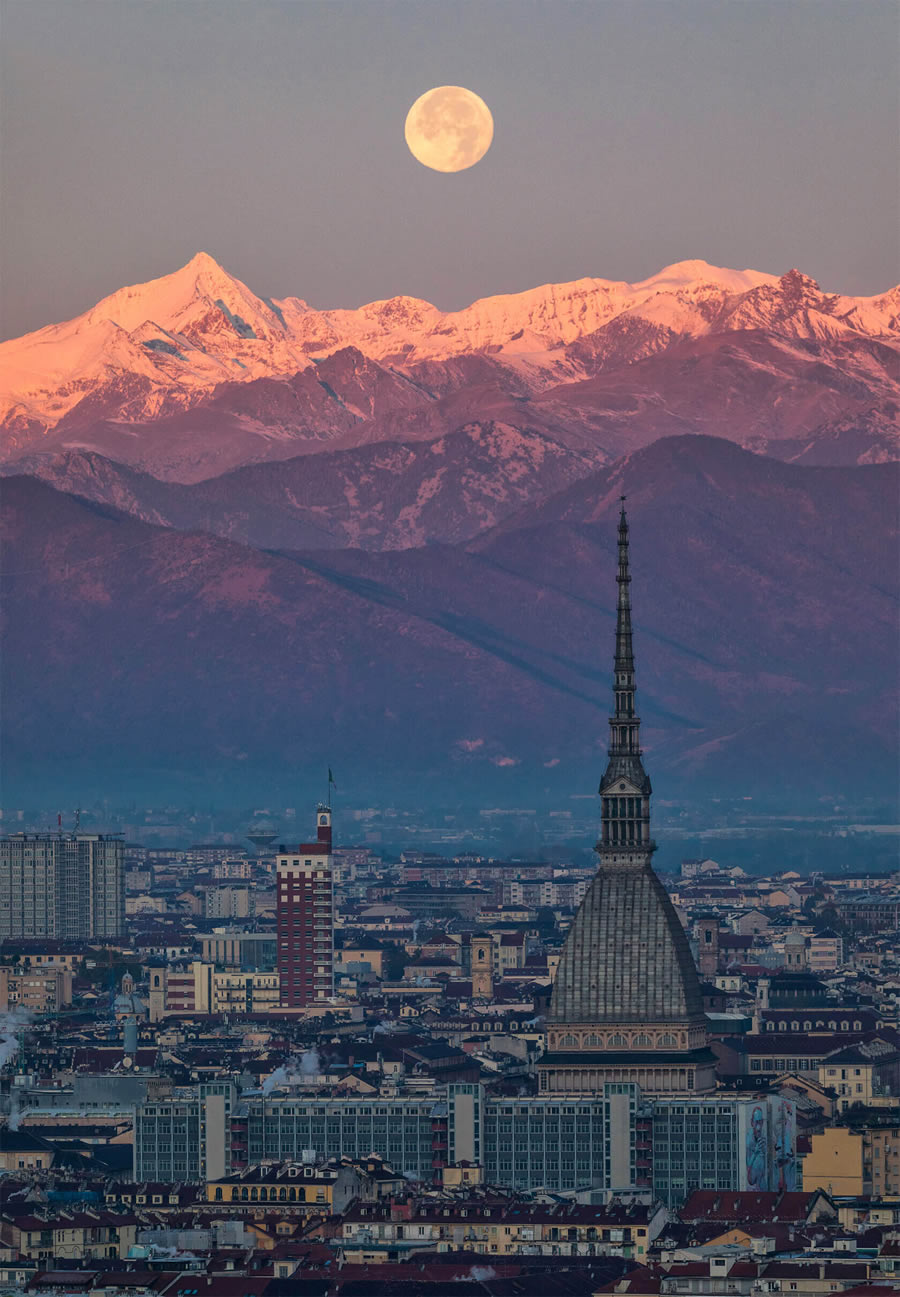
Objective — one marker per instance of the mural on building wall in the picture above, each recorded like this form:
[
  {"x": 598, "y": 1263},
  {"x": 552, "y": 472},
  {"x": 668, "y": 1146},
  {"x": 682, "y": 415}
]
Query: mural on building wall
[
  {"x": 784, "y": 1152},
  {"x": 755, "y": 1143}
]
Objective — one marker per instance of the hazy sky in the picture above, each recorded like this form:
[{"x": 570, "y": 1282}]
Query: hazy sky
[{"x": 628, "y": 135}]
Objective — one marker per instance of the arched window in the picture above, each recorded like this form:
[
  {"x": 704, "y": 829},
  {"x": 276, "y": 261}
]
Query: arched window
[
  {"x": 235, "y": 1194},
  {"x": 293, "y": 1195},
  {"x": 282, "y": 1194},
  {"x": 218, "y": 1193},
  {"x": 833, "y": 1025},
  {"x": 666, "y": 1041},
  {"x": 782, "y": 1026},
  {"x": 616, "y": 1040},
  {"x": 254, "y": 1194},
  {"x": 592, "y": 1042},
  {"x": 845, "y": 1025},
  {"x": 857, "y": 1025},
  {"x": 263, "y": 1195},
  {"x": 795, "y": 1026},
  {"x": 807, "y": 1026},
  {"x": 244, "y": 1194},
  {"x": 568, "y": 1040},
  {"x": 641, "y": 1041}
]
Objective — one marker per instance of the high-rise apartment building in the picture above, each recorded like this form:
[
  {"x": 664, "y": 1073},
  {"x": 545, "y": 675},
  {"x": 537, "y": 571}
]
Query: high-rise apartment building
[
  {"x": 305, "y": 912},
  {"x": 70, "y": 886}
]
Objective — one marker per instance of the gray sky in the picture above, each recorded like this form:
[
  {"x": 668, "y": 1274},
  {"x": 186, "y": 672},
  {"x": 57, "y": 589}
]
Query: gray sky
[{"x": 628, "y": 134}]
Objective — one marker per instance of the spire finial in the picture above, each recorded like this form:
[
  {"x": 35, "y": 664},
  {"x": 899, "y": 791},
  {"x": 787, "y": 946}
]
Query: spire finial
[{"x": 624, "y": 746}]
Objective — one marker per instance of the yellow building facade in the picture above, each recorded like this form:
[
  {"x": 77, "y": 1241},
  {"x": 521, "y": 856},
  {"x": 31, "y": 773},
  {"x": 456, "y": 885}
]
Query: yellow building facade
[{"x": 855, "y": 1162}]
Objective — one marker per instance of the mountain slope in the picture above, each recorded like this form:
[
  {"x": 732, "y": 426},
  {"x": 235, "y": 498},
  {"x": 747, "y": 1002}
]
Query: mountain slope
[
  {"x": 381, "y": 496},
  {"x": 764, "y": 595}
]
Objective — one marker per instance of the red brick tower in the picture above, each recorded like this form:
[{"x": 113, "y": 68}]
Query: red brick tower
[{"x": 305, "y": 910}]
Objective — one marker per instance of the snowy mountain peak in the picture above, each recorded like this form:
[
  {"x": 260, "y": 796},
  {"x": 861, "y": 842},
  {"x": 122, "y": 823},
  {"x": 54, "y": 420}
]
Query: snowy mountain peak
[
  {"x": 179, "y": 298},
  {"x": 201, "y": 261},
  {"x": 683, "y": 274},
  {"x": 154, "y": 350},
  {"x": 797, "y": 286}
]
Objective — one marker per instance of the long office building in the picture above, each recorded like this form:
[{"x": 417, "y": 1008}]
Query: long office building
[
  {"x": 616, "y": 1142},
  {"x": 70, "y": 886},
  {"x": 528, "y": 1143},
  {"x": 184, "y": 1136}
]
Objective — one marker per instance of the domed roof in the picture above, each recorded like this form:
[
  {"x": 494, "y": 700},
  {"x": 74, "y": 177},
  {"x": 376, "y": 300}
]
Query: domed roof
[{"x": 626, "y": 957}]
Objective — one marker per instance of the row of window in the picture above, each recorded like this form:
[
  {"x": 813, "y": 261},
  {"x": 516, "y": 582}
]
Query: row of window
[{"x": 832, "y": 1024}]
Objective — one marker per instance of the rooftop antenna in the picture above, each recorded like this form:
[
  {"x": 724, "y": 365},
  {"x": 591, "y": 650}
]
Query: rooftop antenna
[{"x": 77, "y": 820}]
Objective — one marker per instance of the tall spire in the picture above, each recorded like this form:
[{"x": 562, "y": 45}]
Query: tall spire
[
  {"x": 625, "y": 787},
  {"x": 626, "y": 1004},
  {"x": 624, "y": 661}
]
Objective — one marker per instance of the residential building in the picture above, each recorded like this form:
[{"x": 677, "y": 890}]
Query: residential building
[
  {"x": 22, "y": 1150},
  {"x": 38, "y": 990},
  {"x": 55, "y": 1235},
  {"x": 245, "y": 993},
  {"x": 201, "y": 988},
  {"x": 862, "y": 1073},
  {"x": 246, "y": 950},
  {"x": 499, "y": 1229},
  {"x": 226, "y": 902},
  {"x": 65, "y": 885},
  {"x": 360, "y": 959},
  {"x": 323, "y": 1189},
  {"x": 826, "y": 951},
  {"x": 859, "y": 1158},
  {"x": 233, "y": 868}
]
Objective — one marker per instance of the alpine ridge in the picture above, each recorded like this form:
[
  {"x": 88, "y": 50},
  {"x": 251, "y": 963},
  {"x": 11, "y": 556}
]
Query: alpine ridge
[
  {"x": 766, "y": 625},
  {"x": 194, "y": 374}
]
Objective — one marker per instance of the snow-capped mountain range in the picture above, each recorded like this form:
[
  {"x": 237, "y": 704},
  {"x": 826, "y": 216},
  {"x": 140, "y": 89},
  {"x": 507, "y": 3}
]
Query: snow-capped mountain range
[{"x": 224, "y": 377}]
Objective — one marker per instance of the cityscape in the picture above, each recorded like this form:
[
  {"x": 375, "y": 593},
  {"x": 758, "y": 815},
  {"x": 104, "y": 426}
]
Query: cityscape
[
  {"x": 273, "y": 1058},
  {"x": 449, "y": 820}
]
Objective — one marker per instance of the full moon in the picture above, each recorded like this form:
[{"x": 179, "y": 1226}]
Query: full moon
[{"x": 449, "y": 128}]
